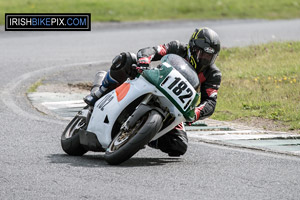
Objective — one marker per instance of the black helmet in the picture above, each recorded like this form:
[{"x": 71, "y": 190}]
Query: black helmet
[{"x": 203, "y": 48}]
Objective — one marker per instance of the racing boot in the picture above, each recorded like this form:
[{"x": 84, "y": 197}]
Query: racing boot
[
  {"x": 121, "y": 69},
  {"x": 99, "y": 89}
]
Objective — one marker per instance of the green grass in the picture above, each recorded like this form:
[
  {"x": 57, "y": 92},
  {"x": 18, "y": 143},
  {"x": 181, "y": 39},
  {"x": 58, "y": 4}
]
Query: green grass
[
  {"x": 136, "y": 10},
  {"x": 34, "y": 86},
  {"x": 261, "y": 81}
]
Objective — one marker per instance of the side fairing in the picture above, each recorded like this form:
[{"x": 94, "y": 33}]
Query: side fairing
[{"x": 108, "y": 108}]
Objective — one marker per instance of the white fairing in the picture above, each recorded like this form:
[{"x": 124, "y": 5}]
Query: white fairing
[{"x": 108, "y": 108}]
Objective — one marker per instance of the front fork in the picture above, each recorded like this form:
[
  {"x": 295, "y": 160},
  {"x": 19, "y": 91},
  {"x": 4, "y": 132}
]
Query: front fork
[
  {"x": 131, "y": 120},
  {"x": 89, "y": 114},
  {"x": 86, "y": 113}
]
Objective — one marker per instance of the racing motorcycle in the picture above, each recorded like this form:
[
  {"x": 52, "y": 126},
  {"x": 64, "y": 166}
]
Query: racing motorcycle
[{"x": 137, "y": 112}]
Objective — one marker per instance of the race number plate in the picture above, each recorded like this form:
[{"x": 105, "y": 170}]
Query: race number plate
[{"x": 179, "y": 89}]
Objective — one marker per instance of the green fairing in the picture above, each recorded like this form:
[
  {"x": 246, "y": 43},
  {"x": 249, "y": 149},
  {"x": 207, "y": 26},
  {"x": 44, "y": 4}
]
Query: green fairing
[{"x": 156, "y": 76}]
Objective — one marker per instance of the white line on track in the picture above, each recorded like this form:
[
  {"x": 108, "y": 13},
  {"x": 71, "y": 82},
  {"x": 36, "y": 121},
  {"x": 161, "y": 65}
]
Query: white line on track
[{"x": 8, "y": 97}]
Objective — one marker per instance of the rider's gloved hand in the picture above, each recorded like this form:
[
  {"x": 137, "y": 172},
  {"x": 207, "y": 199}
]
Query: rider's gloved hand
[
  {"x": 144, "y": 62},
  {"x": 197, "y": 116},
  {"x": 197, "y": 113},
  {"x": 90, "y": 99}
]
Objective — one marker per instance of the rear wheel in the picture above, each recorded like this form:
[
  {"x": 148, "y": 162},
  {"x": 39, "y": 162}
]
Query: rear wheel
[
  {"x": 126, "y": 144},
  {"x": 70, "y": 138}
]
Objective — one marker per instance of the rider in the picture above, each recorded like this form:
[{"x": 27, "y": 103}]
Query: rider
[{"x": 201, "y": 51}]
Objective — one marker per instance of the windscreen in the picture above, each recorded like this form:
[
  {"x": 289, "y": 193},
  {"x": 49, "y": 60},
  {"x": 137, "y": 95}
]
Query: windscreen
[{"x": 184, "y": 67}]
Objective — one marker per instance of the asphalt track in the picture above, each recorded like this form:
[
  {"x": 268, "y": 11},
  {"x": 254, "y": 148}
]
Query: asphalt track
[{"x": 33, "y": 166}]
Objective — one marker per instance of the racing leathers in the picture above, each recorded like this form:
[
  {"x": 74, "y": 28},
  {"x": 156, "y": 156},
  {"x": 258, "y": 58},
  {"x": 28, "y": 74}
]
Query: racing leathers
[
  {"x": 210, "y": 77},
  {"x": 124, "y": 66}
]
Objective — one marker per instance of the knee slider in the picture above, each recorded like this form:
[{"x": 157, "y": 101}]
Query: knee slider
[
  {"x": 123, "y": 60},
  {"x": 131, "y": 58},
  {"x": 122, "y": 66},
  {"x": 117, "y": 62}
]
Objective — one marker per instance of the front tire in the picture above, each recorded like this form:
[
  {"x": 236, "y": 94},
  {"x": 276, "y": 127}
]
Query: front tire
[
  {"x": 70, "y": 142},
  {"x": 126, "y": 144}
]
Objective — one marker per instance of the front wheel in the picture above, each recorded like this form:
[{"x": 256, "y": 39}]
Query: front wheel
[
  {"x": 126, "y": 144},
  {"x": 70, "y": 142}
]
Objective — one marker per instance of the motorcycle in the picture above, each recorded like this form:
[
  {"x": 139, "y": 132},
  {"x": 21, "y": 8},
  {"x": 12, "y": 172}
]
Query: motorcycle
[{"x": 137, "y": 112}]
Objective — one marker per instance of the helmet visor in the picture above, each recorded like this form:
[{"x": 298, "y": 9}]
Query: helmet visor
[{"x": 202, "y": 57}]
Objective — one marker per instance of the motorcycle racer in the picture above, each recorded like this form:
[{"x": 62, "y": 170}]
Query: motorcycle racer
[{"x": 201, "y": 51}]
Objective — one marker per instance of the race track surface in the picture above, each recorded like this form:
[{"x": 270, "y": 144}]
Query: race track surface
[{"x": 33, "y": 165}]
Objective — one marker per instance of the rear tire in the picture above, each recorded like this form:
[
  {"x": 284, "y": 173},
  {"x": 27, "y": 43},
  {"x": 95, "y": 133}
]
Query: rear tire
[
  {"x": 70, "y": 142},
  {"x": 125, "y": 145}
]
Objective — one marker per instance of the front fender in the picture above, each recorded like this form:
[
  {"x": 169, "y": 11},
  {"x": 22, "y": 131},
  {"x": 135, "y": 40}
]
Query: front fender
[{"x": 141, "y": 110}]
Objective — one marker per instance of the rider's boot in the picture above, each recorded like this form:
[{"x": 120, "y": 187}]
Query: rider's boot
[
  {"x": 121, "y": 69},
  {"x": 100, "y": 86}
]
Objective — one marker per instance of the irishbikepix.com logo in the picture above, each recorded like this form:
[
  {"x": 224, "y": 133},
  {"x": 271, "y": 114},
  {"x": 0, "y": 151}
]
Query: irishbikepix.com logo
[{"x": 48, "y": 22}]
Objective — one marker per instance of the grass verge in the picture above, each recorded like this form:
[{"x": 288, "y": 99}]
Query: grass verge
[
  {"x": 34, "y": 86},
  {"x": 137, "y": 10},
  {"x": 261, "y": 81}
]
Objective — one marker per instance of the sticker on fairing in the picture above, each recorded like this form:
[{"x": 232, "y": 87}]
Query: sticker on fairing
[
  {"x": 166, "y": 64},
  {"x": 179, "y": 89}
]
